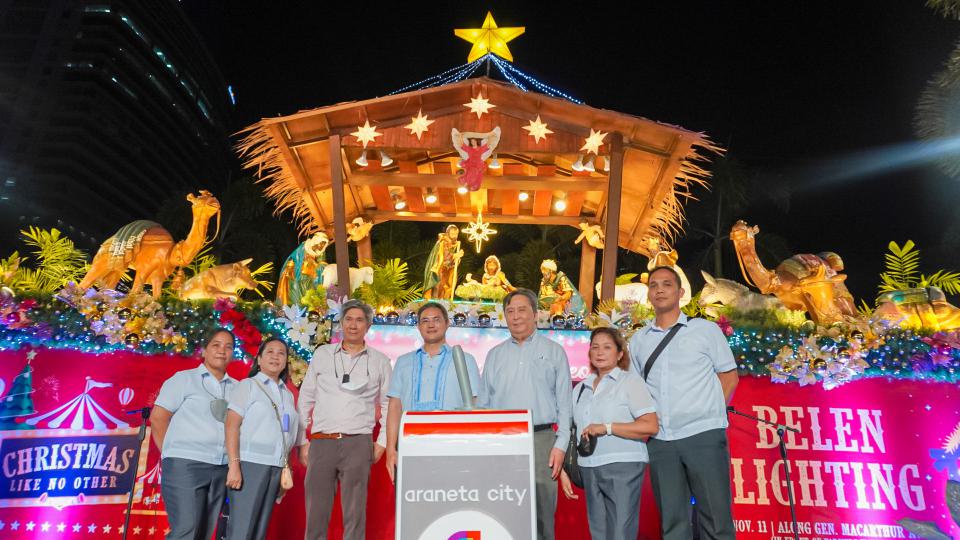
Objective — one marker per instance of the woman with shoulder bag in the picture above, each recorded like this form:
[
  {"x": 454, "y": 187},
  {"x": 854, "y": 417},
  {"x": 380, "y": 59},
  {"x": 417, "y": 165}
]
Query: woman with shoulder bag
[
  {"x": 262, "y": 426},
  {"x": 614, "y": 406}
]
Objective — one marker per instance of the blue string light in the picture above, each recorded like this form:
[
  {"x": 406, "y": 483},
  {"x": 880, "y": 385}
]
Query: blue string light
[
  {"x": 542, "y": 87},
  {"x": 510, "y": 72},
  {"x": 434, "y": 80}
]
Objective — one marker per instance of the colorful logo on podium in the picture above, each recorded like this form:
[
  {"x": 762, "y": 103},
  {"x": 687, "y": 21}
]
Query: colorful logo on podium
[{"x": 465, "y": 535}]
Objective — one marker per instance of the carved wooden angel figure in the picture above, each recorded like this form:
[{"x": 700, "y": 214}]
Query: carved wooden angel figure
[
  {"x": 592, "y": 233},
  {"x": 474, "y": 149}
]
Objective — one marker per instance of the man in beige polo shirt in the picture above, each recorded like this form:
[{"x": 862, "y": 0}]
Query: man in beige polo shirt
[{"x": 339, "y": 396}]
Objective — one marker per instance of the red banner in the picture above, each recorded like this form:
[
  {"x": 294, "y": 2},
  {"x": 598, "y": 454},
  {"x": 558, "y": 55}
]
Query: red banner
[{"x": 868, "y": 454}]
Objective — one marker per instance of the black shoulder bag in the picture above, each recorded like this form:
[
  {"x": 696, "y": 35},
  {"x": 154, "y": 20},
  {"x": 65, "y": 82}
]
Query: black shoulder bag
[
  {"x": 660, "y": 347},
  {"x": 570, "y": 465}
]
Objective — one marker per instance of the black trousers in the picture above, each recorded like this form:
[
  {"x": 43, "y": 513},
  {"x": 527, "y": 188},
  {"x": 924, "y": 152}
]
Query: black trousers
[{"x": 700, "y": 466}]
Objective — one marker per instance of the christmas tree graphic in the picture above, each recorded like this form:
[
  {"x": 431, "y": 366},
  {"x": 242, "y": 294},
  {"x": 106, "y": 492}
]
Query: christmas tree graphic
[{"x": 18, "y": 402}]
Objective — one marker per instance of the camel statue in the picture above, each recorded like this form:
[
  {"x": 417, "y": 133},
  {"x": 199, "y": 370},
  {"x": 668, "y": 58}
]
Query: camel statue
[
  {"x": 148, "y": 248},
  {"x": 803, "y": 282}
]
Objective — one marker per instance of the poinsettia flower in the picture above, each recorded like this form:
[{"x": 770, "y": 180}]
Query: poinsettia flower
[
  {"x": 725, "y": 326},
  {"x": 223, "y": 304}
]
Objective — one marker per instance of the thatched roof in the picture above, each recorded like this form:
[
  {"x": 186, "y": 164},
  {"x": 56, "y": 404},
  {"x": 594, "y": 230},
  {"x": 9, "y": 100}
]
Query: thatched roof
[{"x": 661, "y": 162}]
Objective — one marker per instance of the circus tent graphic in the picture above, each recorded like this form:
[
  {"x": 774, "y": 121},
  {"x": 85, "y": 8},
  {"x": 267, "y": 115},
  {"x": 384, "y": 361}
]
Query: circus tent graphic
[
  {"x": 81, "y": 412},
  {"x": 152, "y": 476}
]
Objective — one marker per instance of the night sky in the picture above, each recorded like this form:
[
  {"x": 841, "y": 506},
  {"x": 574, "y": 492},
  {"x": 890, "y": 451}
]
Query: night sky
[{"x": 797, "y": 91}]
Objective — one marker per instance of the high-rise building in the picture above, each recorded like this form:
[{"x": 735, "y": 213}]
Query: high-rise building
[{"x": 106, "y": 109}]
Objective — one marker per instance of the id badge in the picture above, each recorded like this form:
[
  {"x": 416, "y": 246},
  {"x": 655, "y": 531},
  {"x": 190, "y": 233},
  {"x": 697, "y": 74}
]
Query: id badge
[{"x": 285, "y": 422}]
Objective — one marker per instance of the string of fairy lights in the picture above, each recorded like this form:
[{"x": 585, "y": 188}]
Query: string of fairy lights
[{"x": 510, "y": 72}]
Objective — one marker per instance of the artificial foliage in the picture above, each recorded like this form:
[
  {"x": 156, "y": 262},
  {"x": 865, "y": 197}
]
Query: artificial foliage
[
  {"x": 788, "y": 354},
  {"x": 901, "y": 271}
]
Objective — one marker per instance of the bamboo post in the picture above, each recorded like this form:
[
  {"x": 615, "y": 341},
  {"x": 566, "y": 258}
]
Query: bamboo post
[
  {"x": 342, "y": 254},
  {"x": 588, "y": 264},
  {"x": 612, "y": 224}
]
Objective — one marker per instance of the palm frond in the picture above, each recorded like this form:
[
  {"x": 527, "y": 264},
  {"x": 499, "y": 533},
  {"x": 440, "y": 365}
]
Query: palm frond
[
  {"x": 949, "y": 282},
  {"x": 263, "y": 269},
  {"x": 58, "y": 260},
  {"x": 389, "y": 287},
  {"x": 901, "y": 266},
  {"x": 204, "y": 260}
]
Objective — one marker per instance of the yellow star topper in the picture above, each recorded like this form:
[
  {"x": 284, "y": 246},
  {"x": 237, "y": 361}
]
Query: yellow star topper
[
  {"x": 366, "y": 133},
  {"x": 478, "y": 232},
  {"x": 538, "y": 130},
  {"x": 593, "y": 142},
  {"x": 489, "y": 39},
  {"x": 419, "y": 124},
  {"x": 479, "y": 105}
]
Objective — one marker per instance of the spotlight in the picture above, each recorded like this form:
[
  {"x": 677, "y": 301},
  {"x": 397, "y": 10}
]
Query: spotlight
[
  {"x": 385, "y": 160},
  {"x": 430, "y": 197},
  {"x": 523, "y": 196},
  {"x": 362, "y": 160},
  {"x": 560, "y": 205},
  {"x": 398, "y": 202},
  {"x": 463, "y": 190},
  {"x": 578, "y": 164},
  {"x": 588, "y": 166},
  {"x": 494, "y": 164}
]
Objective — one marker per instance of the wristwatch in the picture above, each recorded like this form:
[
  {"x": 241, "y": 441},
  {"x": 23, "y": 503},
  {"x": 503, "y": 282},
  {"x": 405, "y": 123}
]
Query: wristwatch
[{"x": 609, "y": 427}]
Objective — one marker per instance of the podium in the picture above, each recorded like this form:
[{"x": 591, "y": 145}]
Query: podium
[{"x": 466, "y": 475}]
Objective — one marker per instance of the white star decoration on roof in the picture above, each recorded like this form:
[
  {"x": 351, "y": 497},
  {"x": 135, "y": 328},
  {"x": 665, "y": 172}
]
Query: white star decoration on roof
[
  {"x": 366, "y": 133},
  {"x": 479, "y": 232},
  {"x": 593, "y": 142},
  {"x": 538, "y": 130},
  {"x": 479, "y": 105},
  {"x": 419, "y": 124}
]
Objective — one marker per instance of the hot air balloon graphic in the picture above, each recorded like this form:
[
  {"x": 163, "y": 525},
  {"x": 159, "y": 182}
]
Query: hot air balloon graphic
[{"x": 125, "y": 396}]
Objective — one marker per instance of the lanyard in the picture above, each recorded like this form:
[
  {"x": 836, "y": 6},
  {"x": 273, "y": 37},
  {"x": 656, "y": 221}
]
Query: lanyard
[{"x": 439, "y": 382}]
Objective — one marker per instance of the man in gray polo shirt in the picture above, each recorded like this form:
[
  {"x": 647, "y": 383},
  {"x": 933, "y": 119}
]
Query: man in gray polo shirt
[
  {"x": 691, "y": 382},
  {"x": 529, "y": 371}
]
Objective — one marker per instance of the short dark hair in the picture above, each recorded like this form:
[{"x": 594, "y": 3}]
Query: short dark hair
[
  {"x": 526, "y": 293},
  {"x": 618, "y": 340},
  {"x": 214, "y": 332},
  {"x": 668, "y": 269},
  {"x": 437, "y": 305},
  {"x": 255, "y": 368},
  {"x": 357, "y": 304}
]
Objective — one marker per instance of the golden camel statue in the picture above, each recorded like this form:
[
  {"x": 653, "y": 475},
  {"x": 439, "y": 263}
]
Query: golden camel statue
[
  {"x": 148, "y": 248},
  {"x": 802, "y": 282}
]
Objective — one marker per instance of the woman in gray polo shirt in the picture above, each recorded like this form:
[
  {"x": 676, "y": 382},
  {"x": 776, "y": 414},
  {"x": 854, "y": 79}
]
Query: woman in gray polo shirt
[
  {"x": 614, "y": 405},
  {"x": 262, "y": 426},
  {"x": 187, "y": 426}
]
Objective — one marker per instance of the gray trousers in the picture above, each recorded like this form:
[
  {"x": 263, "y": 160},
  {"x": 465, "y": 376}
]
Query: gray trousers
[
  {"x": 698, "y": 465},
  {"x": 252, "y": 504},
  {"x": 543, "y": 442},
  {"x": 193, "y": 493},
  {"x": 348, "y": 461},
  {"x": 613, "y": 499}
]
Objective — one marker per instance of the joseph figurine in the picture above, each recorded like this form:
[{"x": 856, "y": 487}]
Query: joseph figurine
[{"x": 440, "y": 274}]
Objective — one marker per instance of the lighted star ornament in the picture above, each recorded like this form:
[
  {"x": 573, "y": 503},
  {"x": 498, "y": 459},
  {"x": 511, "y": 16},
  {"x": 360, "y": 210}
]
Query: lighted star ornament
[
  {"x": 366, "y": 133},
  {"x": 479, "y": 232},
  {"x": 419, "y": 124},
  {"x": 479, "y": 105},
  {"x": 489, "y": 39},
  {"x": 537, "y": 129},
  {"x": 593, "y": 142}
]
